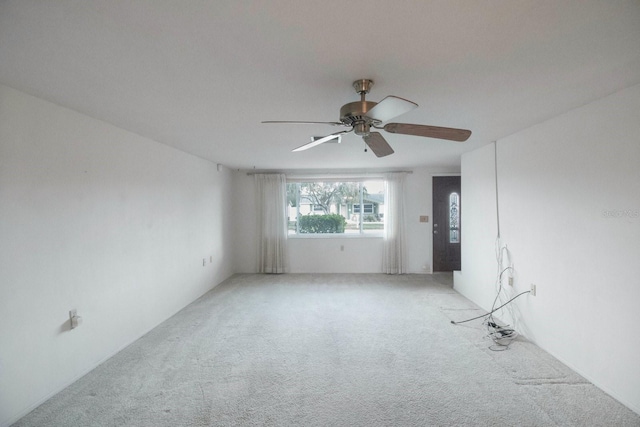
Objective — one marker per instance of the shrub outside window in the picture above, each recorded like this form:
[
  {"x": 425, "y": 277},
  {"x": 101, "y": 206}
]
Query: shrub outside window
[{"x": 333, "y": 207}]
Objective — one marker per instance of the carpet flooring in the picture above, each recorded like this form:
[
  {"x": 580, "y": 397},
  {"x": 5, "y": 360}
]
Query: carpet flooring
[{"x": 329, "y": 350}]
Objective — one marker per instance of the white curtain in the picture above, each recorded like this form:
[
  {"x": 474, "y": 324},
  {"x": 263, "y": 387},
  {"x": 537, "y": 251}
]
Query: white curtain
[
  {"x": 271, "y": 197},
  {"x": 395, "y": 259}
]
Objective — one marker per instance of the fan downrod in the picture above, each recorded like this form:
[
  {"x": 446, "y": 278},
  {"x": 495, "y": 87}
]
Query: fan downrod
[{"x": 354, "y": 113}]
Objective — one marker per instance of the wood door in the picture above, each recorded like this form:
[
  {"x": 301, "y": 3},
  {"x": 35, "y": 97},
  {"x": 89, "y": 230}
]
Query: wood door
[{"x": 446, "y": 223}]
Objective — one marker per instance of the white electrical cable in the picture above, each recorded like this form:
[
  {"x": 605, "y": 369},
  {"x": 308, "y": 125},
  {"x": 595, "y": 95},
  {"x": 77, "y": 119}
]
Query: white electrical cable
[{"x": 495, "y": 165}]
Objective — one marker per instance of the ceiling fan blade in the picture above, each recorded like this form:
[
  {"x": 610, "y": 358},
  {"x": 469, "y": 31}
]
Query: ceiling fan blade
[
  {"x": 304, "y": 123},
  {"x": 320, "y": 141},
  {"x": 390, "y": 107},
  {"x": 451, "y": 134},
  {"x": 378, "y": 144}
]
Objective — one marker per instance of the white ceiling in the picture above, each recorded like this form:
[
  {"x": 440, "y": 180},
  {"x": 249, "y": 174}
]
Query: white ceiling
[{"x": 201, "y": 75}]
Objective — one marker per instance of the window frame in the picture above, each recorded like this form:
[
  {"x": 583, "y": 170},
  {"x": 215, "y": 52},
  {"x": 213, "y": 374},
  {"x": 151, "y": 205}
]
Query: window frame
[{"x": 360, "y": 232}]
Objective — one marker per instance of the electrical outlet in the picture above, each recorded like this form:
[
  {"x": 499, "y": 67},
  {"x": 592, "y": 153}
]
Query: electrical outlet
[
  {"x": 510, "y": 281},
  {"x": 341, "y": 248},
  {"x": 533, "y": 290}
]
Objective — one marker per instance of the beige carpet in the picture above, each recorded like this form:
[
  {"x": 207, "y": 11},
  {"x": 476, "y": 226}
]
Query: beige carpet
[{"x": 329, "y": 350}]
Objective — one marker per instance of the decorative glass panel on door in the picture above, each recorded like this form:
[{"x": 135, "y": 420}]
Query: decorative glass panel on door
[{"x": 454, "y": 218}]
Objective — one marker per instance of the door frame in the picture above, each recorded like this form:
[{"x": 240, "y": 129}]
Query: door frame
[{"x": 431, "y": 212}]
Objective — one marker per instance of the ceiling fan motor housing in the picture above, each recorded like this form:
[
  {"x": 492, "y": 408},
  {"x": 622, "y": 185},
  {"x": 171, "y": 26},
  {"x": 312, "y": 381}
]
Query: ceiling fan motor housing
[{"x": 354, "y": 114}]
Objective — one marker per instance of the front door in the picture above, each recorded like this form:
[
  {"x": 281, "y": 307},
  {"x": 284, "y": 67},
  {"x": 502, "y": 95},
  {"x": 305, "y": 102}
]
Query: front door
[{"x": 446, "y": 223}]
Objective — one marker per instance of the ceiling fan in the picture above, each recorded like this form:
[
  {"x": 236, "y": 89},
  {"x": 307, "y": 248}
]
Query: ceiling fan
[{"x": 363, "y": 115}]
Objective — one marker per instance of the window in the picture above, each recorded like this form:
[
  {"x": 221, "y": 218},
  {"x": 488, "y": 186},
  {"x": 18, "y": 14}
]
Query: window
[
  {"x": 368, "y": 208},
  {"x": 334, "y": 207},
  {"x": 454, "y": 218}
]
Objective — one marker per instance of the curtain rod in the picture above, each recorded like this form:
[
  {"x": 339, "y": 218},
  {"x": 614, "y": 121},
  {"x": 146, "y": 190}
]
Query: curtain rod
[{"x": 334, "y": 174}]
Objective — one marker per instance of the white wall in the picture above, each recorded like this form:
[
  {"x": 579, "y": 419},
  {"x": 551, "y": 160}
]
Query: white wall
[
  {"x": 324, "y": 255},
  {"x": 569, "y": 192},
  {"x": 101, "y": 220},
  {"x": 245, "y": 226},
  {"x": 477, "y": 276}
]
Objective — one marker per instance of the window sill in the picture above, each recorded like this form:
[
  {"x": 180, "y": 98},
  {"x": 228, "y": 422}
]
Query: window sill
[{"x": 336, "y": 236}]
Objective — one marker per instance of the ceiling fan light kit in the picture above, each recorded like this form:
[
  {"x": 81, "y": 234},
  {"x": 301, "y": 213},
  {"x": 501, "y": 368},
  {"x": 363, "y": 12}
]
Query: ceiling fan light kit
[{"x": 361, "y": 116}]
